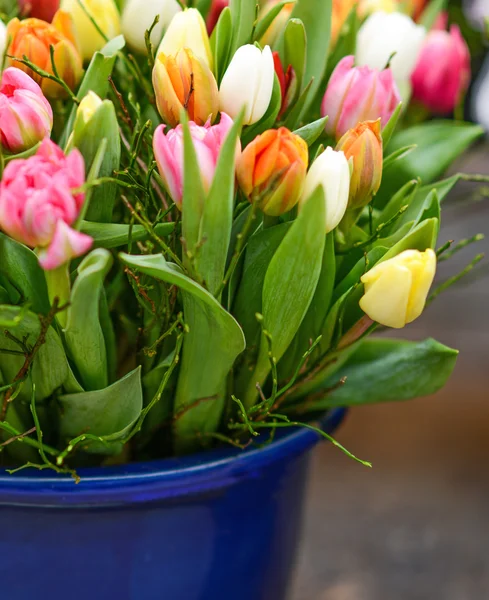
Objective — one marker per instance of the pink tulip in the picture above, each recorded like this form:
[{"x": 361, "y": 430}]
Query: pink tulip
[
  {"x": 168, "y": 149},
  {"x": 40, "y": 9},
  {"x": 38, "y": 203},
  {"x": 26, "y": 116},
  {"x": 442, "y": 74},
  {"x": 357, "y": 94},
  {"x": 215, "y": 11}
]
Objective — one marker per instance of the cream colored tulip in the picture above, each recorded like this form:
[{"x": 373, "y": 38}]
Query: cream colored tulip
[
  {"x": 331, "y": 171},
  {"x": 396, "y": 290},
  {"x": 187, "y": 30},
  {"x": 248, "y": 83},
  {"x": 139, "y": 15},
  {"x": 103, "y": 12}
]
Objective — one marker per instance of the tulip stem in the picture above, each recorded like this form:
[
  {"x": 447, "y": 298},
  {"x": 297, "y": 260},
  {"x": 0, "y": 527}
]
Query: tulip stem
[{"x": 59, "y": 290}]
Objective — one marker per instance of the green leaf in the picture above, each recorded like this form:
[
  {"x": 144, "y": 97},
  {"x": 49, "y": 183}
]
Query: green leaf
[
  {"x": 108, "y": 413},
  {"x": 264, "y": 23},
  {"x": 311, "y": 132},
  {"x": 403, "y": 197},
  {"x": 385, "y": 370},
  {"x": 439, "y": 143},
  {"x": 217, "y": 220},
  {"x": 221, "y": 39},
  {"x": 316, "y": 16},
  {"x": 391, "y": 125},
  {"x": 243, "y": 13},
  {"x": 84, "y": 336},
  {"x": 114, "y": 235},
  {"x": 390, "y": 160},
  {"x": 204, "y": 367},
  {"x": 96, "y": 79},
  {"x": 347, "y": 41},
  {"x": 293, "y": 118},
  {"x": 295, "y": 49},
  {"x": 431, "y": 12},
  {"x": 290, "y": 284},
  {"x": 21, "y": 268},
  {"x": 102, "y": 125},
  {"x": 420, "y": 238},
  {"x": 50, "y": 366}
]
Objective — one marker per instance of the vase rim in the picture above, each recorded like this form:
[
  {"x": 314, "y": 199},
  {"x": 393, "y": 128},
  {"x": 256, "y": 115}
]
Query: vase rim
[{"x": 169, "y": 478}]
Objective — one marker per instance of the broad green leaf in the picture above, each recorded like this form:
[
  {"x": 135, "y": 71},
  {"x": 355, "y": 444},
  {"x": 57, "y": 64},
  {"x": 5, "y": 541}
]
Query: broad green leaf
[
  {"x": 293, "y": 117},
  {"x": 96, "y": 79},
  {"x": 264, "y": 23},
  {"x": 403, "y": 197},
  {"x": 217, "y": 219},
  {"x": 204, "y": 366},
  {"x": 310, "y": 133},
  {"x": 316, "y": 16},
  {"x": 20, "y": 267},
  {"x": 390, "y": 160},
  {"x": 390, "y": 126},
  {"x": 108, "y": 413},
  {"x": 289, "y": 286},
  {"x": 221, "y": 39},
  {"x": 243, "y": 13},
  {"x": 420, "y": 238},
  {"x": 385, "y": 370},
  {"x": 268, "y": 119},
  {"x": 114, "y": 235},
  {"x": 50, "y": 367},
  {"x": 259, "y": 253},
  {"x": 102, "y": 125},
  {"x": 84, "y": 336},
  {"x": 394, "y": 238},
  {"x": 439, "y": 143},
  {"x": 431, "y": 12},
  {"x": 295, "y": 49},
  {"x": 193, "y": 193},
  {"x": 354, "y": 267}
]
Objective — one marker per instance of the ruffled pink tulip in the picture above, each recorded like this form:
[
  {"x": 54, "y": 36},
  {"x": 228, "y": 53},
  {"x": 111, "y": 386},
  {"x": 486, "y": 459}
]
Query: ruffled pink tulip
[
  {"x": 357, "y": 94},
  {"x": 26, "y": 117},
  {"x": 38, "y": 203},
  {"x": 442, "y": 74},
  {"x": 40, "y": 9},
  {"x": 168, "y": 149}
]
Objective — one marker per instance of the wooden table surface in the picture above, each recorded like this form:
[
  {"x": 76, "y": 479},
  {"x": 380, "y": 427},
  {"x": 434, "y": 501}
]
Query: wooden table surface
[{"x": 416, "y": 526}]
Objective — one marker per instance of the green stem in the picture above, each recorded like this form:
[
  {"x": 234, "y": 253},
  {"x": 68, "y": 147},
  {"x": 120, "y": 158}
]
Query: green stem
[{"x": 59, "y": 286}]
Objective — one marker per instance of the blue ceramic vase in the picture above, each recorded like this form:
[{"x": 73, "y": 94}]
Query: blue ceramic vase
[{"x": 217, "y": 526}]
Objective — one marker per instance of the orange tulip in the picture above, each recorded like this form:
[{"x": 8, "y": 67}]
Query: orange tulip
[
  {"x": 341, "y": 10},
  {"x": 33, "y": 38},
  {"x": 184, "y": 81},
  {"x": 272, "y": 169},
  {"x": 363, "y": 144}
]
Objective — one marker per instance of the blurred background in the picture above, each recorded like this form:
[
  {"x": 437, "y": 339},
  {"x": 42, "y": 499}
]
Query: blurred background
[{"x": 416, "y": 526}]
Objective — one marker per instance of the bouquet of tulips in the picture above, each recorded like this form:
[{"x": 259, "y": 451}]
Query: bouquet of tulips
[{"x": 205, "y": 210}]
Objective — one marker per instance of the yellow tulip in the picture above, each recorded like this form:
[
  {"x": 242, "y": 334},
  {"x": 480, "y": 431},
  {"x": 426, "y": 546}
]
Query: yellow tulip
[
  {"x": 187, "y": 30},
  {"x": 396, "y": 290},
  {"x": 106, "y": 16}
]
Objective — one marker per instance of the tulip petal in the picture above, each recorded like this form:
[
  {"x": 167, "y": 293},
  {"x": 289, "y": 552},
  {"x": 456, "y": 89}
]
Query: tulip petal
[{"x": 65, "y": 245}]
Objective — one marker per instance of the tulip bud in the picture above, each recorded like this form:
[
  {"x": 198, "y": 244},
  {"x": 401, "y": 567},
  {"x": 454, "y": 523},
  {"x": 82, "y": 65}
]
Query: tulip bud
[
  {"x": 272, "y": 169},
  {"x": 103, "y": 12},
  {"x": 331, "y": 171},
  {"x": 26, "y": 117},
  {"x": 390, "y": 37},
  {"x": 95, "y": 121},
  {"x": 273, "y": 33},
  {"x": 139, "y": 15},
  {"x": 168, "y": 150},
  {"x": 33, "y": 38},
  {"x": 51, "y": 178},
  {"x": 288, "y": 83},
  {"x": 396, "y": 290},
  {"x": 442, "y": 74},
  {"x": 215, "y": 11},
  {"x": 187, "y": 30},
  {"x": 356, "y": 94},
  {"x": 184, "y": 81},
  {"x": 248, "y": 83},
  {"x": 363, "y": 145},
  {"x": 39, "y": 9}
]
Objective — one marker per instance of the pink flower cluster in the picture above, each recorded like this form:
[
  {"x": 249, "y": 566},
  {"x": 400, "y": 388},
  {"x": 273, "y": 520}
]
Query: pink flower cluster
[
  {"x": 168, "y": 149},
  {"x": 38, "y": 203}
]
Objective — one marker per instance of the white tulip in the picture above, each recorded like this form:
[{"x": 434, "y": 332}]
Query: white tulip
[
  {"x": 139, "y": 15},
  {"x": 386, "y": 34},
  {"x": 331, "y": 171},
  {"x": 248, "y": 83},
  {"x": 3, "y": 41}
]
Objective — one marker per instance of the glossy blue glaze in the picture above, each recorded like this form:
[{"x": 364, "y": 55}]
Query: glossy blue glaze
[{"x": 218, "y": 526}]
